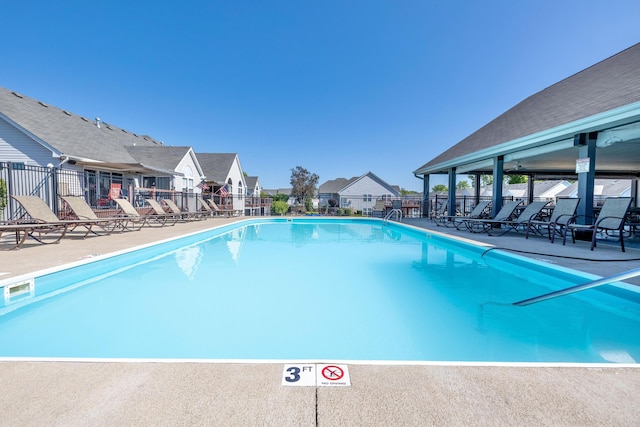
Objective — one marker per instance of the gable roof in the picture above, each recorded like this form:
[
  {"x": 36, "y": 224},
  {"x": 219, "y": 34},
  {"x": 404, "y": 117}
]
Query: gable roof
[
  {"x": 607, "y": 85},
  {"x": 333, "y": 186},
  {"x": 216, "y": 166},
  {"x": 161, "y": 158},
  {"x": 376, "y": 179},
  {"x": 67, "y": 134},
  {"x": 338, "y": 185},
  {"x": 251, "y": 181}
]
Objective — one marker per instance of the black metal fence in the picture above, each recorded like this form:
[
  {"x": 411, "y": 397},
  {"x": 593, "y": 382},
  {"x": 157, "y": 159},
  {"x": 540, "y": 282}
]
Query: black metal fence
[{"x": 50, "y": 183}]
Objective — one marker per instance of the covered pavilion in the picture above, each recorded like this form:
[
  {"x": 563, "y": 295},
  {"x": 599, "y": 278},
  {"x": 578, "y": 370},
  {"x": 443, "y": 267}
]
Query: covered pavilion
[{"x": 584, "y": 127}]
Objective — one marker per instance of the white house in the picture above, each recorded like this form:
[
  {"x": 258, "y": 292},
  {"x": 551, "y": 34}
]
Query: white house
[
  {"x": 358, "y": 193},
  {"x": 225, "y": 178}
]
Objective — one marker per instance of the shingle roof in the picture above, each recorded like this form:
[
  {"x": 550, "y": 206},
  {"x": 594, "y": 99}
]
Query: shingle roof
[
  {"x": 335, "y": 185},
  {"x": 216, "y": 166},
  {"x": 160, "y": 157},
  {"x": 612, "y": 83},
  {"x": 70, "y": 134},
  {"x": 251, "y": 181}
]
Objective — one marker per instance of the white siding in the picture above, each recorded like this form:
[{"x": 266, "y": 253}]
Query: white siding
[
  {"x": 239, "y": 185},
  {"x": 352, "y": 196},
  {"x": 16, "y": 146}
]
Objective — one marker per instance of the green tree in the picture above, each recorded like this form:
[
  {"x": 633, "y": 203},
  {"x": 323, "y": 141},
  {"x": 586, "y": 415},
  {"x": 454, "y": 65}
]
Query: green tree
[
  {"x": 516, "y": 179},
  {"x": 463, "y": 185},
  {"x": 440, "y": 188},
  {"x": 303, "y": 184},
  {"x": 405, "y": 192},
  {"x": 280, "y": 197}
]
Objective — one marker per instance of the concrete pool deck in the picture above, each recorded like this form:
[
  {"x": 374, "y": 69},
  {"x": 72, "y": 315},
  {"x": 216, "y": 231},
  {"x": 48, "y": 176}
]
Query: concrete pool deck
[{"x": 187, "y": 393}]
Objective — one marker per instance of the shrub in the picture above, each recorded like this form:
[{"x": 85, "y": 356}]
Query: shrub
[
  {"x": 279, "y": 207},
  {"x": 3, "y": 195}
]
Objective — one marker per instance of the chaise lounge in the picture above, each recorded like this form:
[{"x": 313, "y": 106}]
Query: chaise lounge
[
  {"x": 611, "y": 218},
  {"x": 108, "y": 225}
]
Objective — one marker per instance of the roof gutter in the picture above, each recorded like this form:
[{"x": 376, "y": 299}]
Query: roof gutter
[{"x": 168, "y": 172}]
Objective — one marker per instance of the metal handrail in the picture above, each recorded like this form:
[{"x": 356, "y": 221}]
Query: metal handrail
[
  {"x": 397, "y": 212},
  {"x": 573, "y": 289}
]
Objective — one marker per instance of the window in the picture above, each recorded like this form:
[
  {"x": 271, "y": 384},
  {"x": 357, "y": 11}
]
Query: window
[
  {"x": 366, "y": 197},
  {"x": 99, "y": 185}
]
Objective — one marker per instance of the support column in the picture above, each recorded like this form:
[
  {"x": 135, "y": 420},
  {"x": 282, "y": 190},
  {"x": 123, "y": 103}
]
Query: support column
[
  {"x": 530, "y": 187},
  {"x": 476, "y": 187},
  {"x": 426, "y": 201},
  {"x": 451, "y": 208},
  {"x": 586, "y": 144},
  {"x": 498, "y": 177}
]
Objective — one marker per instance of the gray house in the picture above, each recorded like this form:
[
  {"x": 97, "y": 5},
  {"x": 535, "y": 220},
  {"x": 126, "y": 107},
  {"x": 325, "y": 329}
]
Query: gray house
[{"x": 97, "y": 157}]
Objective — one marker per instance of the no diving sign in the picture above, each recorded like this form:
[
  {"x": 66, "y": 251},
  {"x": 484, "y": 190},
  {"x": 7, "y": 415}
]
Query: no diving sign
[{"x": 321, "y": 375}]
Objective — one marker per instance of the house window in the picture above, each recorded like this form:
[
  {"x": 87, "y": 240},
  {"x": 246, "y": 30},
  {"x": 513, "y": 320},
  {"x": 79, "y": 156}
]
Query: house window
[
  {"x": 366, "y": 211},
  {"x": 99, "y": 184},
  {"x": 163, "y": 183},
  {"x": 366, "y": 197},
  {"x": 187, "y": 185}
]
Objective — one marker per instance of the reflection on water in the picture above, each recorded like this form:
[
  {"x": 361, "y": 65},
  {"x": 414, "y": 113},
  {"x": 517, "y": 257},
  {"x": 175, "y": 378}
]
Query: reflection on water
[{"x": 189, "y": 260}]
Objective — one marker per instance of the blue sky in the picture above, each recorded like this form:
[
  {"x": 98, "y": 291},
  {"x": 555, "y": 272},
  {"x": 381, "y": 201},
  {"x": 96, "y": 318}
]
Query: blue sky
[{"x": 338, "y": 87}]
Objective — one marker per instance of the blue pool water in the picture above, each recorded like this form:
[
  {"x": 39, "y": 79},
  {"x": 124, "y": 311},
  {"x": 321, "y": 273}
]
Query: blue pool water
[{"x": 318, "y": 289}]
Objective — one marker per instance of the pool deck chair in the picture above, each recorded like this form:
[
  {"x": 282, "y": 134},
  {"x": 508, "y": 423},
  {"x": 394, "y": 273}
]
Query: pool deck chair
[
  {"x": 562, "y": 213},
  {"x": 532, "y": 211},
  {"x": 126, "y": 208},
  {"x": 379, "y": 209},
  {"x": 14, "y": 234},
  {"x": 441, "y": 212},
  {"x": 209, "y": 210},
  {"x": 161, "y": 215},
  {"x": 184, "y": 215},
  {"x": 611, "y": 218},
  {"x": 82, "y": 210},
  {"x": 478, "y": 212},
  {"x": 220, "y": 211},
  {"x": 50, "y": 228},
  {"x": 483, "y": 225}
]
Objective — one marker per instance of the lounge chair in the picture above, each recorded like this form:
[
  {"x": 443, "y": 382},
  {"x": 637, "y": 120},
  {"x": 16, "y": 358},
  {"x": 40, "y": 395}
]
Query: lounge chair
[
  {"x": 45, "y": 221},
  {"x": 161, "y": 215},
  {"x": 478, "y": 212},
  {"x": 219, "y": 210},
  {"x": 126, "y": 208},
  {"x": 13, "y": 235},
  {"x": 611, "y": 218},
  {"x": 379, "y": 209},
  {"x": 530, "y": 213},
  {"x": 562, "y": 213},
  {"x": 483, "y": 225},
  {"x": 83, "y": 211},
  {"x": 441, "y": 212},
  {"x": 185, "y": 215},
  {"x": 208, "y": 210}
]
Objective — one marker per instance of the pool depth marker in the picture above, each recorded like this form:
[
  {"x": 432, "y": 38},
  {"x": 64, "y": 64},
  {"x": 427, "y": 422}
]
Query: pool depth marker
[{"x": 316, "y": 375}]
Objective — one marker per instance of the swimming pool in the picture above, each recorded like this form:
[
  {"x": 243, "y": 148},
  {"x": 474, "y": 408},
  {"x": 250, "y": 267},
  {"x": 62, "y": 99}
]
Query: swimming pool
[{"x": 317, "y": 289}]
